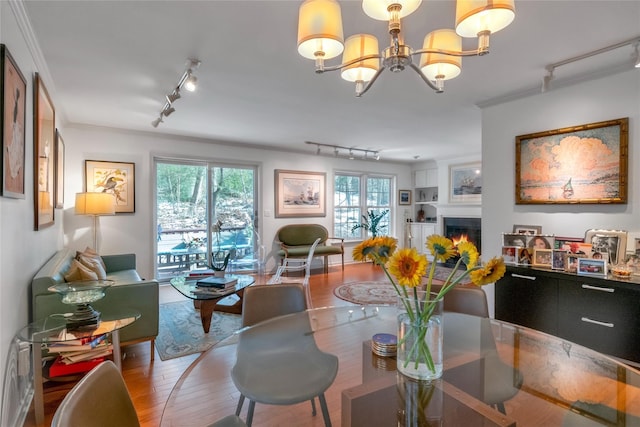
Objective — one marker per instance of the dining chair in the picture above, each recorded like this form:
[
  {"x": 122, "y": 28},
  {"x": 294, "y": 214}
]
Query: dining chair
[
  {"x": 279, "y": 363},
  {"x": 290, "y": 265}
]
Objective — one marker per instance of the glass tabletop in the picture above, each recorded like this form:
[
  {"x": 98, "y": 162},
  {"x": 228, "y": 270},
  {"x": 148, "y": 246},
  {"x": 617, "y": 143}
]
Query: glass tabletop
[
  {"x": 541, "y": 379},
  {"x": 189, "y": 288}
]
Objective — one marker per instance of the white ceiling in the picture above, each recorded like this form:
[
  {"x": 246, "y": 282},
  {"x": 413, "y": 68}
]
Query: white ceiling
[{"x": 112, "y": 62}]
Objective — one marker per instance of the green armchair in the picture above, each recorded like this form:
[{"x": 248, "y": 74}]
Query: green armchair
[{"x": 295, "y": 241}]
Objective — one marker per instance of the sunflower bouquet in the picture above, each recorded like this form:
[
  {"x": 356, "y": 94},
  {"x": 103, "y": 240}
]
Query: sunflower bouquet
[{"x": 406, "y": 268}]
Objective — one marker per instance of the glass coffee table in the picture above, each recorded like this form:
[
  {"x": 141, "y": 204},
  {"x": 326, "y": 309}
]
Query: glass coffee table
[{"x": 206, "y": 301}]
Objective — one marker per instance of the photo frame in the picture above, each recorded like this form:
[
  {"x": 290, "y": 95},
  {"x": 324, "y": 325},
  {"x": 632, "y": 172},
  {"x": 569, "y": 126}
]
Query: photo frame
[
  {"x": 13, "y": 112},
  {"x": 509, "y": 254},
  {"x": 540, "y": 241},
  {"x": 514, "y": 239},
  {"x": 571, "y": 262},
  {"x": 551, "y": 165},
  {"x": 559, "y": 259},
  {"x": 43, "y": 155},
  {"x": 542, "y": 257},
  {"x": 590, "y": 266},
  {"x": 566, "y": 243},
  {"x": 404, "y": 197},
  {"x": 300, "y": 194},
  {"x": 117, "y": 178},
  {"x": 527, "y": 229},
  {"x": 524, "y": 256},
  {"x": 611, "y": 242},
  {"x": 465, "y": 183},
  {"x": 59, "y": 171}
]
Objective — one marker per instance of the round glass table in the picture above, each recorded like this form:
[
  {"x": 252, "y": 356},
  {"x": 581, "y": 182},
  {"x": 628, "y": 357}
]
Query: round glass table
[{"x": 495, "y": 374}]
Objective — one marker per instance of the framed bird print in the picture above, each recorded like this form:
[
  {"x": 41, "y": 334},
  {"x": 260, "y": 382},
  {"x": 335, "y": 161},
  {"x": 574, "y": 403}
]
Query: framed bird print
[{"x": 117, "y": 178}]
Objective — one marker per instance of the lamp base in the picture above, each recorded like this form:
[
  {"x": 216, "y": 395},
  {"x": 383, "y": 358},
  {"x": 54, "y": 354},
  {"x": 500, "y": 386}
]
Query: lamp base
[{"x": 85, "y": 318}]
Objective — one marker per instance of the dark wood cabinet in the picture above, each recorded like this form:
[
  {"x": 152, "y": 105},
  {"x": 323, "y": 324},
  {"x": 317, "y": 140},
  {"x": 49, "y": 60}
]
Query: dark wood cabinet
[{"x": 602, "y": 313}]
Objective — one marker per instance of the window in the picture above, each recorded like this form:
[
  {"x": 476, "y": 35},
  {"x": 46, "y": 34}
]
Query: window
[{"x": 350, "y": 206}]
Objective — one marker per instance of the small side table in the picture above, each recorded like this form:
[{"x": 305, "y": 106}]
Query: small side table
[{"x": 53, "y": 329}]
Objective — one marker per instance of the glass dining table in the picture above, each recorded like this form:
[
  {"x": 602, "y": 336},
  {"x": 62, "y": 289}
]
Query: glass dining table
[{"x": 495, "y": 374}]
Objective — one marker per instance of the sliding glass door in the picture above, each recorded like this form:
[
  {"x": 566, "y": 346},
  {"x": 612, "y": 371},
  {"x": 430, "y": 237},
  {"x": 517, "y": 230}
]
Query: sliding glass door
[{"x": 206, "y": 214}]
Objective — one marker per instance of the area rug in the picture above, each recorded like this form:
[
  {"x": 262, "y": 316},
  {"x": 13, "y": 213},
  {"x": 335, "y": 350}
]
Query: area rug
[
  {"x": 181, "y": 333},
  {"x": 378, "y": 292}
]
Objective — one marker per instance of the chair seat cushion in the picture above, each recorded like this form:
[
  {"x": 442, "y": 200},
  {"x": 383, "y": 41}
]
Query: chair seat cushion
[{"x": 303, "y": 251}]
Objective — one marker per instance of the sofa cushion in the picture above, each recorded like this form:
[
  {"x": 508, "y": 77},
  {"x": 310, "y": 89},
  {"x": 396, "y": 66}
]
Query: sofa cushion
[
  {"x": 93, "y": 263},
  {"x": 79, "y": 272},
  {"x": 124, "y": 277},
  {"x": 89, "y": 252},
  {"x": 302, "y": 234}
]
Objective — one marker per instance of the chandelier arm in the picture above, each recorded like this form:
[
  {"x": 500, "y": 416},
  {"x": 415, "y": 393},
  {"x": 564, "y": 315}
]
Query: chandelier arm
[
  {"x": 426, "y": 80},
  {"x": 346, "y": 64},
  {"x": 475, "y": 52},
  {"x": 370, "y": 83}
]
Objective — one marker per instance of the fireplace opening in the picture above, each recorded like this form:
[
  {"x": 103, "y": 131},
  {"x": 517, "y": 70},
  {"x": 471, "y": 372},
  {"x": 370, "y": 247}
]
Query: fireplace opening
[{"x": 460, "y": 229}]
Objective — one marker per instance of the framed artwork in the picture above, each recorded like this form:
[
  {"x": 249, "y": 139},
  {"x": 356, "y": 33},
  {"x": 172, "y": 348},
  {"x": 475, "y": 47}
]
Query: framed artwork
[
  {"x": 509, "y": 254},
  {"x": 59, "y": 172},
  {"x": 633, "y": 243},
  {"x": 540, "y": 241},
  {"x": 542, "y": 257},
  {"x": 566, "y": 243},
  {"x": 571, "y": 262},
  {"x": 13, "y": 112},
  {"x": 524, "y": 256},
  {"x": 404, "y": 197},
  {"x": 299, "y": 194},
  {"x": 558, "y": 259},
  {"x": 43, "y": 155},
  {"x": 607, "y": 244},
  {"x": 514, "y": 239},
  {"x": 117, "y": 178},
  {"x": 580, "y": 164},
  {"x": 597, "y": 267},
  {"x": 527, "y": 229},
  {"x": 465, "y": 183}
]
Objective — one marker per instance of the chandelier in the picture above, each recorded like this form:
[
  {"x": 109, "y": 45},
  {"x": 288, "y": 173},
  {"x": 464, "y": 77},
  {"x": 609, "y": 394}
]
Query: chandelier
[{"x": 320, "y": 38}]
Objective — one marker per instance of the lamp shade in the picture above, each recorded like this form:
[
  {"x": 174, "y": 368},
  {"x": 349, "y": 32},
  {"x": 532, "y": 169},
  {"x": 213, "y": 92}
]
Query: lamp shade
[
  {"x": 438, "y": 64},
  {"x": 475, "y": 16},
  {"x": 378, "y": 9},
  {"x": 320, "y": 29},
  {"x": 95, "y": 204},
  {"x": 357, "y": 46}
]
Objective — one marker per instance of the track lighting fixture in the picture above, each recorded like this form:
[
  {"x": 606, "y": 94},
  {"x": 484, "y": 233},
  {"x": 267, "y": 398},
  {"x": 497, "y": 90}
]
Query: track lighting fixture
[
  {"x": 349, "y": 152},
  {"x": 187, "y": 81},
  {"x": 637, "y": 55}
]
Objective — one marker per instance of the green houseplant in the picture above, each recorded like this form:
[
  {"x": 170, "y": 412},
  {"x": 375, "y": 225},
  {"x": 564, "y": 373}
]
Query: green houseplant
[{"x": 371, "y": 223}]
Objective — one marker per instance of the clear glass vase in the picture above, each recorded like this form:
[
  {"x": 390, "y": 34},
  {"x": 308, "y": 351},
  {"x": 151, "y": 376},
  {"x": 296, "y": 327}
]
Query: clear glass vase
[{"x": 420, "y": 336}]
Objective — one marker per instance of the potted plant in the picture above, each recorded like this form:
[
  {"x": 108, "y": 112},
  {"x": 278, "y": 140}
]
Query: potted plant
[{"x": 371, "y": 223}]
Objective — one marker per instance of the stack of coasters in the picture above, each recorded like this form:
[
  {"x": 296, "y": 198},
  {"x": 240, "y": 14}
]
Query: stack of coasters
[{"x": 384, "y": 345}]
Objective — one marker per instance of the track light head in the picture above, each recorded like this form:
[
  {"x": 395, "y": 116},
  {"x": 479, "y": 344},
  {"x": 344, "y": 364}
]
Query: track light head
[
  {"x": 191, "y": 82},
  {"x": 156, "y": 122},
  {"x": 637, "y": 56},
  {"x": 173, "y": 96},
  {"x": 167, "y": 111}
]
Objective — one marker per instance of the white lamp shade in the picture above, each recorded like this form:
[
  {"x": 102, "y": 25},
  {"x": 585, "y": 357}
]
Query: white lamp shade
[
  {"x": 438, "y": 64},
  {"x": 474, "y": 16},
  {"x": 95, "y": 204},
  {"x": 320, "y": 29},
  {"x": 357, "y": 46},
  {"x": 378, "y": 9}
]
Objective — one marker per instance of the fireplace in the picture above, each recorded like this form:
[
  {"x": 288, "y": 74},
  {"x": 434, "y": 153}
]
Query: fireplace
[{"x": 457, "y": 228}]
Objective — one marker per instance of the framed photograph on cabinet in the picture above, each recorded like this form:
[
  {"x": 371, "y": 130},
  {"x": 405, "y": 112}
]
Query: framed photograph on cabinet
[
  {"x": 509, "y": 254},
  {"x": 514, "y": 239},
  {"x": 13, "y": 113},
  {"x": 527, "y": 229},
  {"x": 597, "y": 267},
  {"x": 404, "y": 197},
  {"x": 299, "y": 194},
  {"x": 117, "y": 178},
  {"x": 558, "y": 259},
  {"x": 579, "y": 164},
  {"x": 542, "y": 257},
  {"x": 541, "y": 241},
  {"x": 59, "y": 172},
  {"x": 465, "y": 183},
  {"x": 43, "y": 155},
  {"x": 609, "y": 244}
]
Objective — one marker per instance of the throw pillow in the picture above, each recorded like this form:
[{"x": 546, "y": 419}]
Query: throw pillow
[
  {"x": 93, "y": 254},
  {"x": 77, "y": 271},
  {"x": 92, "y": 264}
]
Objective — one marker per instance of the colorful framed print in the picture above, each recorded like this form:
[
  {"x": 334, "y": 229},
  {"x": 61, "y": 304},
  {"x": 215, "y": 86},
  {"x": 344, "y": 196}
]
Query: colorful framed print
[
  {"x": 13, "y": 113},
  {"x": 566, "y": 243},
  {"x": 117, "y": 178},
  {"x": 299, "y": 194},
  {"x": 590, "y": 266},
  {"x": 465, "y": 183},
  {"x": 43, "y": 155},
  {"x": 404, "y": 197},
  {"x": 579, "y": 164},
  {"x": 59, "y": 172}
]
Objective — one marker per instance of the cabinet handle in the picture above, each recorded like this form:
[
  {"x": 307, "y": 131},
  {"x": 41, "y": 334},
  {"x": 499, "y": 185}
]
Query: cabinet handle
[
  {"x": 597, "y": 322},
  {"x": 520, "y": 276},
  {"x": 597, "y": 288}
]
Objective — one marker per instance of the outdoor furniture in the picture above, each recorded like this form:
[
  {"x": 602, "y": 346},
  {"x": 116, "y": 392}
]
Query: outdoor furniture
[{"x": 296, "y": 240}]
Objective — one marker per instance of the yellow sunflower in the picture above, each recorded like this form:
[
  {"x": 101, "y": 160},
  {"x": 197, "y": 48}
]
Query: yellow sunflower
[
  {"x": 440, "y": 247},
  {"x": 365, "y": 250},
  {"x": 468, "y": 253},
  {"x": 491, "y": 272},
  {"x": 408, "y": 266},
  {"x": 386, "y": 246}
]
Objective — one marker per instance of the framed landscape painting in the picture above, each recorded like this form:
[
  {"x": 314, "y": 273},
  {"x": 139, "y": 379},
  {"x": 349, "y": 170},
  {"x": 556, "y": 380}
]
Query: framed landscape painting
[
  {"x": 580, "y": 164},
  {"x": 299, "y": 194},
  {"x": 465, "y": 183},
  {"x": 117, "y": 178}
]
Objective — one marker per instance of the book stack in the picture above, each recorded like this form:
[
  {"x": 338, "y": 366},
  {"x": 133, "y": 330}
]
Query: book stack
[
  {"x": 215, "y": 285},
  {"x": 79, "y": 355}
]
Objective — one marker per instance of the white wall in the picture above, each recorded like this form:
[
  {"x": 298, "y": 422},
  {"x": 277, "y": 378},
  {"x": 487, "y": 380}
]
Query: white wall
[{"x": 609, "y": 98}]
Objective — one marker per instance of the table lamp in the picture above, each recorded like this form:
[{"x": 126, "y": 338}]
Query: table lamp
[{"x": 95, "y": 204}]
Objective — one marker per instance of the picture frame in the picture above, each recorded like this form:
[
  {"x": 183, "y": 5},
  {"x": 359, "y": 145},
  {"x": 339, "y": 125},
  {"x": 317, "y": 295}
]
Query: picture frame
[
  {"x": 404, "y": 197},
  {"x": 611, "y": 242},
  {"x": 509, "y": 254},
  {"x": 571, "y": 262},
  {"x": 524, "y": 256},
  {"x": 540, "y": 241},
  {"x": 59, "y": 171},
  {"x": 13, "y": 87},
  {"x": 565, "y": 243},
  {"x": 558, "y": 259},
  {"x": 299, "y": 194},
  {"x": 117, "y": 178},
  {"x": 527, "y": 229},
  {"x": 593, "y": 267},
  {"x": 465, "y": 183},
  {"x": 542, "y": 257},
  {"x": 43, "y": 155},
  {"x": 514, "y": 239},
  {"x": 633, "y": 243},
  {"x": 550, "y": 165}
]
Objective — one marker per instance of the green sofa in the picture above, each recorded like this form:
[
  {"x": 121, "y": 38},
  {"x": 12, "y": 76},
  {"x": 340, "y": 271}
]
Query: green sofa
[
  {"x": 129, "y": 291},
  {"x": 296, "y": 239}
]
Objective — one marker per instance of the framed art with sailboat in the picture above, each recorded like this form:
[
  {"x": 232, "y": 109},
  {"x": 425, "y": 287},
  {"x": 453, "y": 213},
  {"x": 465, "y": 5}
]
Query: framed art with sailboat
[{"x": 579, "y": 164}]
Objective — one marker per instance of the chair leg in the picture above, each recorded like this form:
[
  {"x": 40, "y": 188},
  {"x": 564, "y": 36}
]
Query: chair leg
[
  {"x": 313, "y": 407},
  {"x": 153, "y": 350},
  {"x": 500, "y": 407},
  {"x": 325, "y": 410},
  {"x": 252, "y": 406},
  {"x": 239, "y": 407}
]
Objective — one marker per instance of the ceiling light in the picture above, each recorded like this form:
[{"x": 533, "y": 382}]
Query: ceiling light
[
  {"x": 167, "y": 111},
  {"x": 173, "y": 96},
  {"x": 188, "y": 81},
  {"x": 156, "y": 122},
  {"x": 320, "y": 38},
  {"x": 637, "y": 55},
  {"x": 351, "y": 151}
]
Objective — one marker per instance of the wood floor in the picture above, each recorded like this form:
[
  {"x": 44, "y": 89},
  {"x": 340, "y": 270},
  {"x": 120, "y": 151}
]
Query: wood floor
[{"x": 151, "y": 383}]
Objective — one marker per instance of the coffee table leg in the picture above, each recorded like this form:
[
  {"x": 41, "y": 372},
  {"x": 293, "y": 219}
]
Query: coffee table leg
[{"x": 206, "y": 311}]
